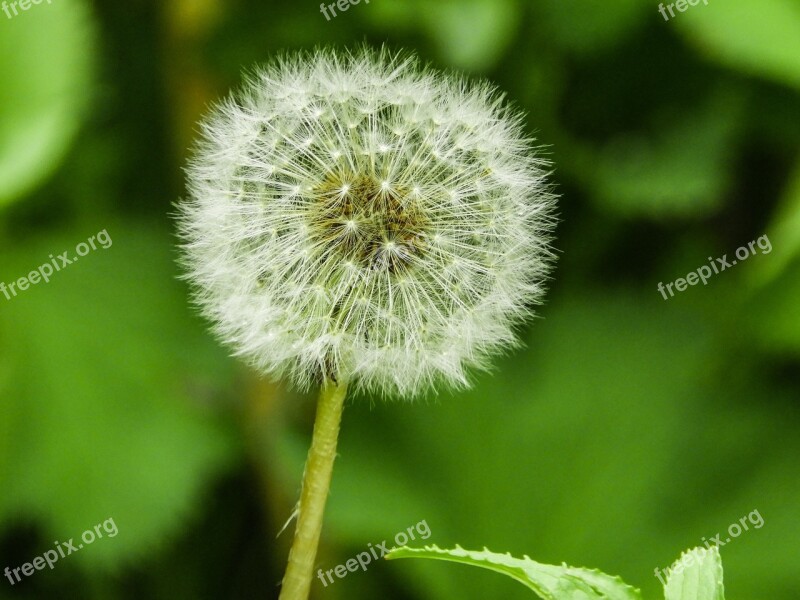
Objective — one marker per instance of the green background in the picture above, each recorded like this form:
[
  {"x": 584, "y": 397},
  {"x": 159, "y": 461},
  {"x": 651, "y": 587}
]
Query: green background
[{"x": 628, "y": 429}]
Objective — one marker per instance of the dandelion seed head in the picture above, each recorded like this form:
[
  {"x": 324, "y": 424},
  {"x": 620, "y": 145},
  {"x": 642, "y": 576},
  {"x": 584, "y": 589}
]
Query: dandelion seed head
[{"x": 356, "y": 215}]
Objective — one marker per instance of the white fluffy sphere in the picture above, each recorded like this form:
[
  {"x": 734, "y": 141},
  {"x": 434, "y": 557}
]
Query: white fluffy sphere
[{"x": 358, "y": 217}]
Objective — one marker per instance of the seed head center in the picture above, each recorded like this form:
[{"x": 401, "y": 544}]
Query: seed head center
[{"x": 368, "y": 221}]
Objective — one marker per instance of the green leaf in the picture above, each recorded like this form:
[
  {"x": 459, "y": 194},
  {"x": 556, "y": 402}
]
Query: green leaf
[
  {"x": 107, "y": 406},
  {"x": 46, "y": 68},
  {"x": 783, "y": 233},
  {"x": 584, "y": 372},
  {"x": 471, "y": 34},
  {"x": 696, "y": 575},
  {"x": 400, "y": 15},
  {"x": 682, "y": 172},
  {"x": 761, "y": 39},
  {"x": 548, "y": 581},
  {"x": 771, "y": 313},
  {"x": 601, "y": 25},
  {"x": 468, "y": 34}
]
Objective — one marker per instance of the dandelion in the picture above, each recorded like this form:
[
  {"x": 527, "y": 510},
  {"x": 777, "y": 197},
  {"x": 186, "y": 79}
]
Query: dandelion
[{"x": 359, "y": 220}]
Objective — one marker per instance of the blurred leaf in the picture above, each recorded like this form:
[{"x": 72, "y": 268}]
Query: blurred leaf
[
  {"x": 762, "y": 39},
  {"x": 398, "y": 15},
  {"x": 620, "y": 392},
  {"x": 678, "y": 171},
  {"x": 606, "y": 365},
  {"x": 471, "y": 34},
  {"x": 46, "y": 66},
  {"x": 108, "y": 411},
  {"x": 548, "y": 581},
  {"x": 587, "y": 26},
  {"x": 784, "y": 234},
  {"x": 774, "y": 312},
  {"x": 468, "y": 34},
  {"x": 696, "y": 575}
]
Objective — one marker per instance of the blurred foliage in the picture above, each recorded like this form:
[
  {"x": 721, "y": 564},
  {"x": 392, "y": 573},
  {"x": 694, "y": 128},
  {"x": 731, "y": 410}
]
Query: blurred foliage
[
  {"x": 477, "y": 31},
  {"x": 766, "y": 43},
  {"x": 46, "y": 60},
  {"x": 154, "y": 410},
  {"x": 629, "y": 427}
]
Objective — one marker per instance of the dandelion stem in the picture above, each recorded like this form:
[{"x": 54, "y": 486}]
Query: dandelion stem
[{"x": 314, "y": 492}]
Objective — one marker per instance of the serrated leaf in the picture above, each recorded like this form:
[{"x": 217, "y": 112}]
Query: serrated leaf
[
  {"x": 550, "y": 582},
  {"x": 696, "y": 575}
]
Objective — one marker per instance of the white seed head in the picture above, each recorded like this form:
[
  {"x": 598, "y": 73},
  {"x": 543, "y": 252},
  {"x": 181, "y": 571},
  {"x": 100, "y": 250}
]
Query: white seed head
[{"x": 357, "y": 216}]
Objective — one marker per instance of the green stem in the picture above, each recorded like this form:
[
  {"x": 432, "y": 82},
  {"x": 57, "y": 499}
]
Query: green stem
[{"x": 314, "y": 493}]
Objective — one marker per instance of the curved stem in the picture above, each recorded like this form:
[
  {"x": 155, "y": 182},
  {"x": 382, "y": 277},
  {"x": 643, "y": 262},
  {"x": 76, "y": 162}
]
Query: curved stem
[{"x": 314, "y": 492}]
